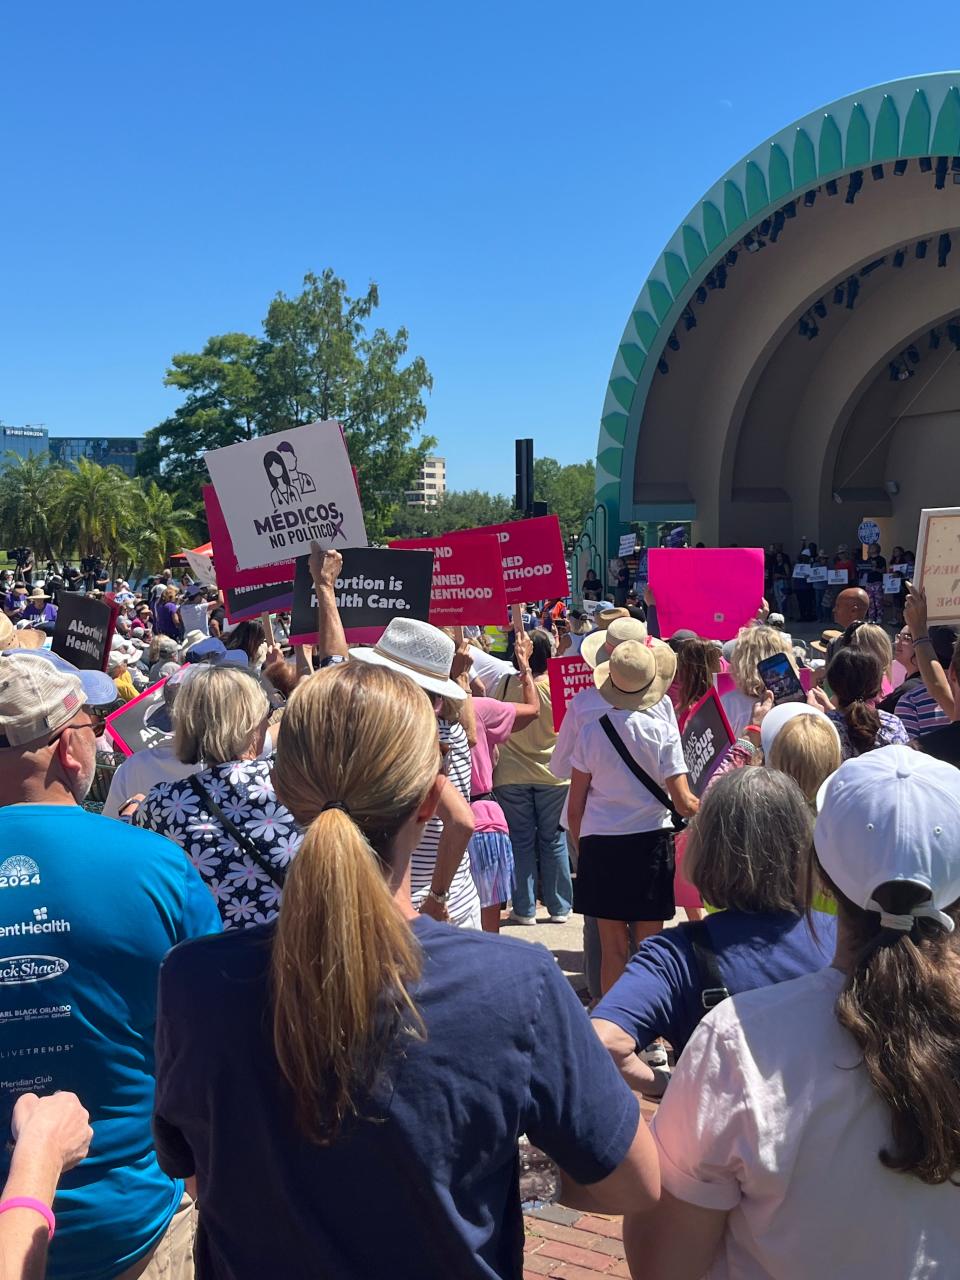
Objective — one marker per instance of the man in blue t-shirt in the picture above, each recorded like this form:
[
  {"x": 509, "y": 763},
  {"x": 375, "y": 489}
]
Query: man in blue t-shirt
[{"x": 88, "y": 909}]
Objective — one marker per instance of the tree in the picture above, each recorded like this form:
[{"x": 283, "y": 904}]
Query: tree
[
  {"x": 316, "y": 360},
  {"x": 97, "y": 509},
  {"x": 568, "y": 491},
  {"x": 163, "y": 529},
  {"x": 223, "y": 405},
  {"x": 457, "y": 509},
  {"x": 29, "y": 511}
]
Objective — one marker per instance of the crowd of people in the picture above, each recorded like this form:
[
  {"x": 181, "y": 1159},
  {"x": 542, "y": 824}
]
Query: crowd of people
[{"x": 277, "y": 986}]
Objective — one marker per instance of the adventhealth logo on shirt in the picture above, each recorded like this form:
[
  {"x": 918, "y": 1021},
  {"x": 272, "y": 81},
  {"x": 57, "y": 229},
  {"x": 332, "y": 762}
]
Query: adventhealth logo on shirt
[{"x": 39, "y": 924}]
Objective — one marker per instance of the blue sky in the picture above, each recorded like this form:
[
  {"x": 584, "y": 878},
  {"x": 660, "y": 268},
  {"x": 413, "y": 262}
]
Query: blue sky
[{"x": 507, "y": 173}]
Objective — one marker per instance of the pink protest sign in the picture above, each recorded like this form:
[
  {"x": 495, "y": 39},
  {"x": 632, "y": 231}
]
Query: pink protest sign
[
  {"x": 712, "y": 591},
  {"x": 567, "y": 677},
  {"x": 225, "y": 561},
  {"x": 534, "y": 566},
  {"x": 467, "y": 578}
]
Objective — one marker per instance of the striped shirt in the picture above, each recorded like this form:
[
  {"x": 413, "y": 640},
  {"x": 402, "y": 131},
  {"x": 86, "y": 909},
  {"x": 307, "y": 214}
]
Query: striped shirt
[
  {"x": 464, "y": 902},
  {"x": 919, "y": 712}
]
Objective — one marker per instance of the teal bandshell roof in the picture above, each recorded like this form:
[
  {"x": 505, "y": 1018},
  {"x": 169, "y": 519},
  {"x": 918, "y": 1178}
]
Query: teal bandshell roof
[{"x": 919, "y": 116}]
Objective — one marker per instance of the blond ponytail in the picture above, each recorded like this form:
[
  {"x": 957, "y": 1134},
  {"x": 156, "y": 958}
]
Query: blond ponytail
[{"x": 357, "y": 754}]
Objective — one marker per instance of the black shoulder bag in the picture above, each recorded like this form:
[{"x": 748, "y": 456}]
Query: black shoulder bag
[
  {"x": 244, "y": 841},
  {"x": 658, "y": 793},
  {"x": 712, "y": 990}
]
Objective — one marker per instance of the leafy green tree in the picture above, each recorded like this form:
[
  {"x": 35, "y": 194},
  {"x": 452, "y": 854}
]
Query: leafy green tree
[
  {"x": 316, "y": 360},
  {"x": 457, "y": 509},
  {"x": 29, "y": 510},
  {"x": 162, "y": 528},
  {"x": 568, "y": 491}
]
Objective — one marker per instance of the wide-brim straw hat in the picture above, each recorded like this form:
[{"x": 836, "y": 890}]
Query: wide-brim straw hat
[
  {"x": 418, "y": 650},
  {"x": 822, "y": 646},
  {"x": 603, "y": 617},
  {"x": 638, "y": 674},
  {"x": 598, "y": 645},
  {"x": 37, "y": 594}
]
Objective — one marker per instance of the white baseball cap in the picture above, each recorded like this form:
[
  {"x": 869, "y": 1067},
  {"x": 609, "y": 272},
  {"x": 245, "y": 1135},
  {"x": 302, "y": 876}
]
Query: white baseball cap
[
  {"x": 892, "y": 815},
  {"x": 779, "y": 717}
]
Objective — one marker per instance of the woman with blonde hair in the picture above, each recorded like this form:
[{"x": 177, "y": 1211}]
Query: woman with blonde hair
[
  {"x": 365, "y": 1053},
  {"x": 753, "y": 645},
  {"x": 807, "y": 748}
]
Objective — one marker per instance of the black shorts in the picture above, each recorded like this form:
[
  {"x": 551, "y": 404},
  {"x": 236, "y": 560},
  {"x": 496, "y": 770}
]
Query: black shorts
[{"x": 626, "y": 877}]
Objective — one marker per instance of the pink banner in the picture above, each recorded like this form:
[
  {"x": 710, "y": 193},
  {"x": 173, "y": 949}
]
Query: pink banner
[
  {"x": 467, "y": 578},
  {"x": 712, "y": 591},
  {"x": 567, "y": 677},
  {"x": 534, "y": 566},
  {"x": 224, "y": 559}
]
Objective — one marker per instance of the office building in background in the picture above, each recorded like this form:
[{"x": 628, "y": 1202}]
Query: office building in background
[
  {"x": 431, "y": 483},
  {"x": 22, "y": 441},
  {"x": 108, "y": 451}
]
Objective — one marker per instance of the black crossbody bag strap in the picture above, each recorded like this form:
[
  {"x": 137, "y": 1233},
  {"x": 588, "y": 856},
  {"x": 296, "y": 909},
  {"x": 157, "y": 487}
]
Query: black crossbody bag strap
[
  {"x": 242, "y": 839},
  {"x": 641, "y": 775},
  {"x": 712, "y": 989}
]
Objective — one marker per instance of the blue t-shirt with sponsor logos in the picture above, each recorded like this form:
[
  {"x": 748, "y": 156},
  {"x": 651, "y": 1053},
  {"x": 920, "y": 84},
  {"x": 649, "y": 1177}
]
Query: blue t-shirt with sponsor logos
[{"x": 88, "y": 909}]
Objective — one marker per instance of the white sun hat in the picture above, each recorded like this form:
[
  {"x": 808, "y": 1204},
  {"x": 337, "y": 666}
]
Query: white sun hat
[{"x": 418, "y": 650}]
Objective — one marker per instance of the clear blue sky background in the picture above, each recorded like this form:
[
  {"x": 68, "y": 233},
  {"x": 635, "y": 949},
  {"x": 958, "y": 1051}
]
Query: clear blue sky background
[{"x": 507, "y": 173}]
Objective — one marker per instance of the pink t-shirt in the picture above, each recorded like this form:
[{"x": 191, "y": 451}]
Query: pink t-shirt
[{"x": 495, "y": 722}]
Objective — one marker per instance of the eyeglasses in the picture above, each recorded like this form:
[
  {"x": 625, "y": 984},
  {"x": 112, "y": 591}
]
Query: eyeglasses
[
  {"x": 904, "y": 637},
  {"x": 85, "y": 724}
]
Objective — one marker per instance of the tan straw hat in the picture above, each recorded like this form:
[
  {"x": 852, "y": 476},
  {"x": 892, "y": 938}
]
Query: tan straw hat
[
  {"x": 638, "y": 674},
  {"x": 603, "y": 617},
  {"x": 598, "y": 645},
  {"x": 822, "y": 646}
]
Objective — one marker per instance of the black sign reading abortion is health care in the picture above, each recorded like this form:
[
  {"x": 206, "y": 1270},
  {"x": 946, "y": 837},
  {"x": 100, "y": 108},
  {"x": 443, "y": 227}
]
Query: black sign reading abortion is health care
[
  {"x": 83, "y": 631},
  {"x": 375, "y": 585}
]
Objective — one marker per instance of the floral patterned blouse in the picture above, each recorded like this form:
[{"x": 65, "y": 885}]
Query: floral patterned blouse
[{"x": 243, "y": 789}]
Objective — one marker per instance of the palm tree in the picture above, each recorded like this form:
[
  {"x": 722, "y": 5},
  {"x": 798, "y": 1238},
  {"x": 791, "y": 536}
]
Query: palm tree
[
  {"x": 163, "y": 528},
  {"x": 97, "y": 509},
  {"x": 29, "y": 504}
]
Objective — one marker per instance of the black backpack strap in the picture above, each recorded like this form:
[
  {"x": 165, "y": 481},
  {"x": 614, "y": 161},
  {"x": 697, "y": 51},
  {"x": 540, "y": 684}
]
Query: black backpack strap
[
  {"x": 712, "y": 989},
  {"x": 243, "y": 841},
  {"x": 641, "y": 775}
]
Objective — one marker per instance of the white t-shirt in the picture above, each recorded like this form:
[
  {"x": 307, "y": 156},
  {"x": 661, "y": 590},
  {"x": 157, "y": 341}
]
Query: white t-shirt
[
  {"x": 195, "y": 617},
  {"x": 586, "y": 706},
  {"x": 489, "y": 669},
  {"x": 142, "y": 771},
  {"x": 770, "y": 1116},
  {"x": 739, "y": 708},
  {"x": 618, "y": 804}
]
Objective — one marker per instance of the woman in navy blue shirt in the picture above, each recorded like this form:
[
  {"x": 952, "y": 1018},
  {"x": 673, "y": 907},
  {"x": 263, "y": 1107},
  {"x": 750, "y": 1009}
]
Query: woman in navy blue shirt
[
  {"x": 348, "y": 1083},
  {"x": 747, "y": 854}
]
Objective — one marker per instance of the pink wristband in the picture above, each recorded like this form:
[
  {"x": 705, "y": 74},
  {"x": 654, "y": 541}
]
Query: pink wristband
[{"x": 28, "y": 1202}]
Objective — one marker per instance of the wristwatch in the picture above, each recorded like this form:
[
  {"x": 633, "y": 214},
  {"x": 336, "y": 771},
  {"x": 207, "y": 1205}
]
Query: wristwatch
[{"x": 442, "y": 897}]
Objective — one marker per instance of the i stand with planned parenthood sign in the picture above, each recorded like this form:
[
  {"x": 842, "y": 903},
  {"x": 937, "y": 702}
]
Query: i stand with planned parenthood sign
[
  {"x": 83, "y": 631},
  {"x": 467, "y": 585},
  {"x": 281, "y": 492}
]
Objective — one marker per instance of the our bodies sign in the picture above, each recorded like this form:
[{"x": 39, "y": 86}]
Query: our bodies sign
[
  {"x": 467, "y": 587},
  {"x": 83, "y": 631},
  {"x": 706, "y": 739},
  {"x": 567, "y": 676},
  {"x": 375, "y": 585},
  {"x": 281, "y": 492}
]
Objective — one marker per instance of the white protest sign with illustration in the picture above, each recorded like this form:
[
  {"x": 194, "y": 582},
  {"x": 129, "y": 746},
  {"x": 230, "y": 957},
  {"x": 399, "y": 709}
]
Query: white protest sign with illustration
[
  {"x": 938, "y": 562},
  {"x": 201, "y": 567},
  {"x": 281, "y": 492}
]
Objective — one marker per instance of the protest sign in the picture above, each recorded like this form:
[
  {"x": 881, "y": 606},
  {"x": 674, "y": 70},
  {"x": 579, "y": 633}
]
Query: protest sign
[
  {"x": 628, "y": 544},
  {"x": 837, "y": 577},
  {"x": 281, "y": 492},
  {"x": 375, "y": 585},
  {"x": 567, "y": 677},
  {"x": 801, "y": 570},
  {"x": 225, "y": 562},
  {"x": 712, "y": 591},
  {"x": 467, "y": 579},
  {"x": 243, "y": 603},
  {"x": 706, "y": 739},
  {"x": 938, "y": 562},
  {"x": 130, "y": 726},
  {"x": 869, "y": 533},
  {"x": 83, "y": 631},
  {"x": 201, "y": 568},
  {"x": 531, "y": 553},
  {"x": 891, "y": 584},
  {"x": 818, "y": 573},
  {"x": 903, "y": 569}
]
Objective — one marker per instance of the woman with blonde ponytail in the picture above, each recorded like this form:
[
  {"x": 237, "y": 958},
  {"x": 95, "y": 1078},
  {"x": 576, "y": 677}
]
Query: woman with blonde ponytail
[
  {"x": 356, "y": 1052},
  {"x": 812, "y": 1128}
]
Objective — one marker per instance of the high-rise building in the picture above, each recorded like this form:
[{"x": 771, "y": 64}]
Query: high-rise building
[
  {"x": 431, "y": 483},
  {"x": 108, "y": 451},
  {"x": 22, "y": 441}
]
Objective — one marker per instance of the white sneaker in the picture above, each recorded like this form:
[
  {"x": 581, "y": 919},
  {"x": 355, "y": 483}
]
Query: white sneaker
[
  {"x": 513, "y": 918},
  {"x": 560, "y": 919}
]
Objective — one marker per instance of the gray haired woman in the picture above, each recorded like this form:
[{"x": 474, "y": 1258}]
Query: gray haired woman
[
  {"x": 226, "y": 817},
  {"x": 748, "y": 855}
]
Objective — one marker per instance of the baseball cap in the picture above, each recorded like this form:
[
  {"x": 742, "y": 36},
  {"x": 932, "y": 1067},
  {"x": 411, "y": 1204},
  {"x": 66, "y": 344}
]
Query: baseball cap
[
  {"x": 210, "y": 649},
  {"x": 40, "y": 692},
  {"x": 779, "y": 717},
  {"x": 892, "y": 815}
]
